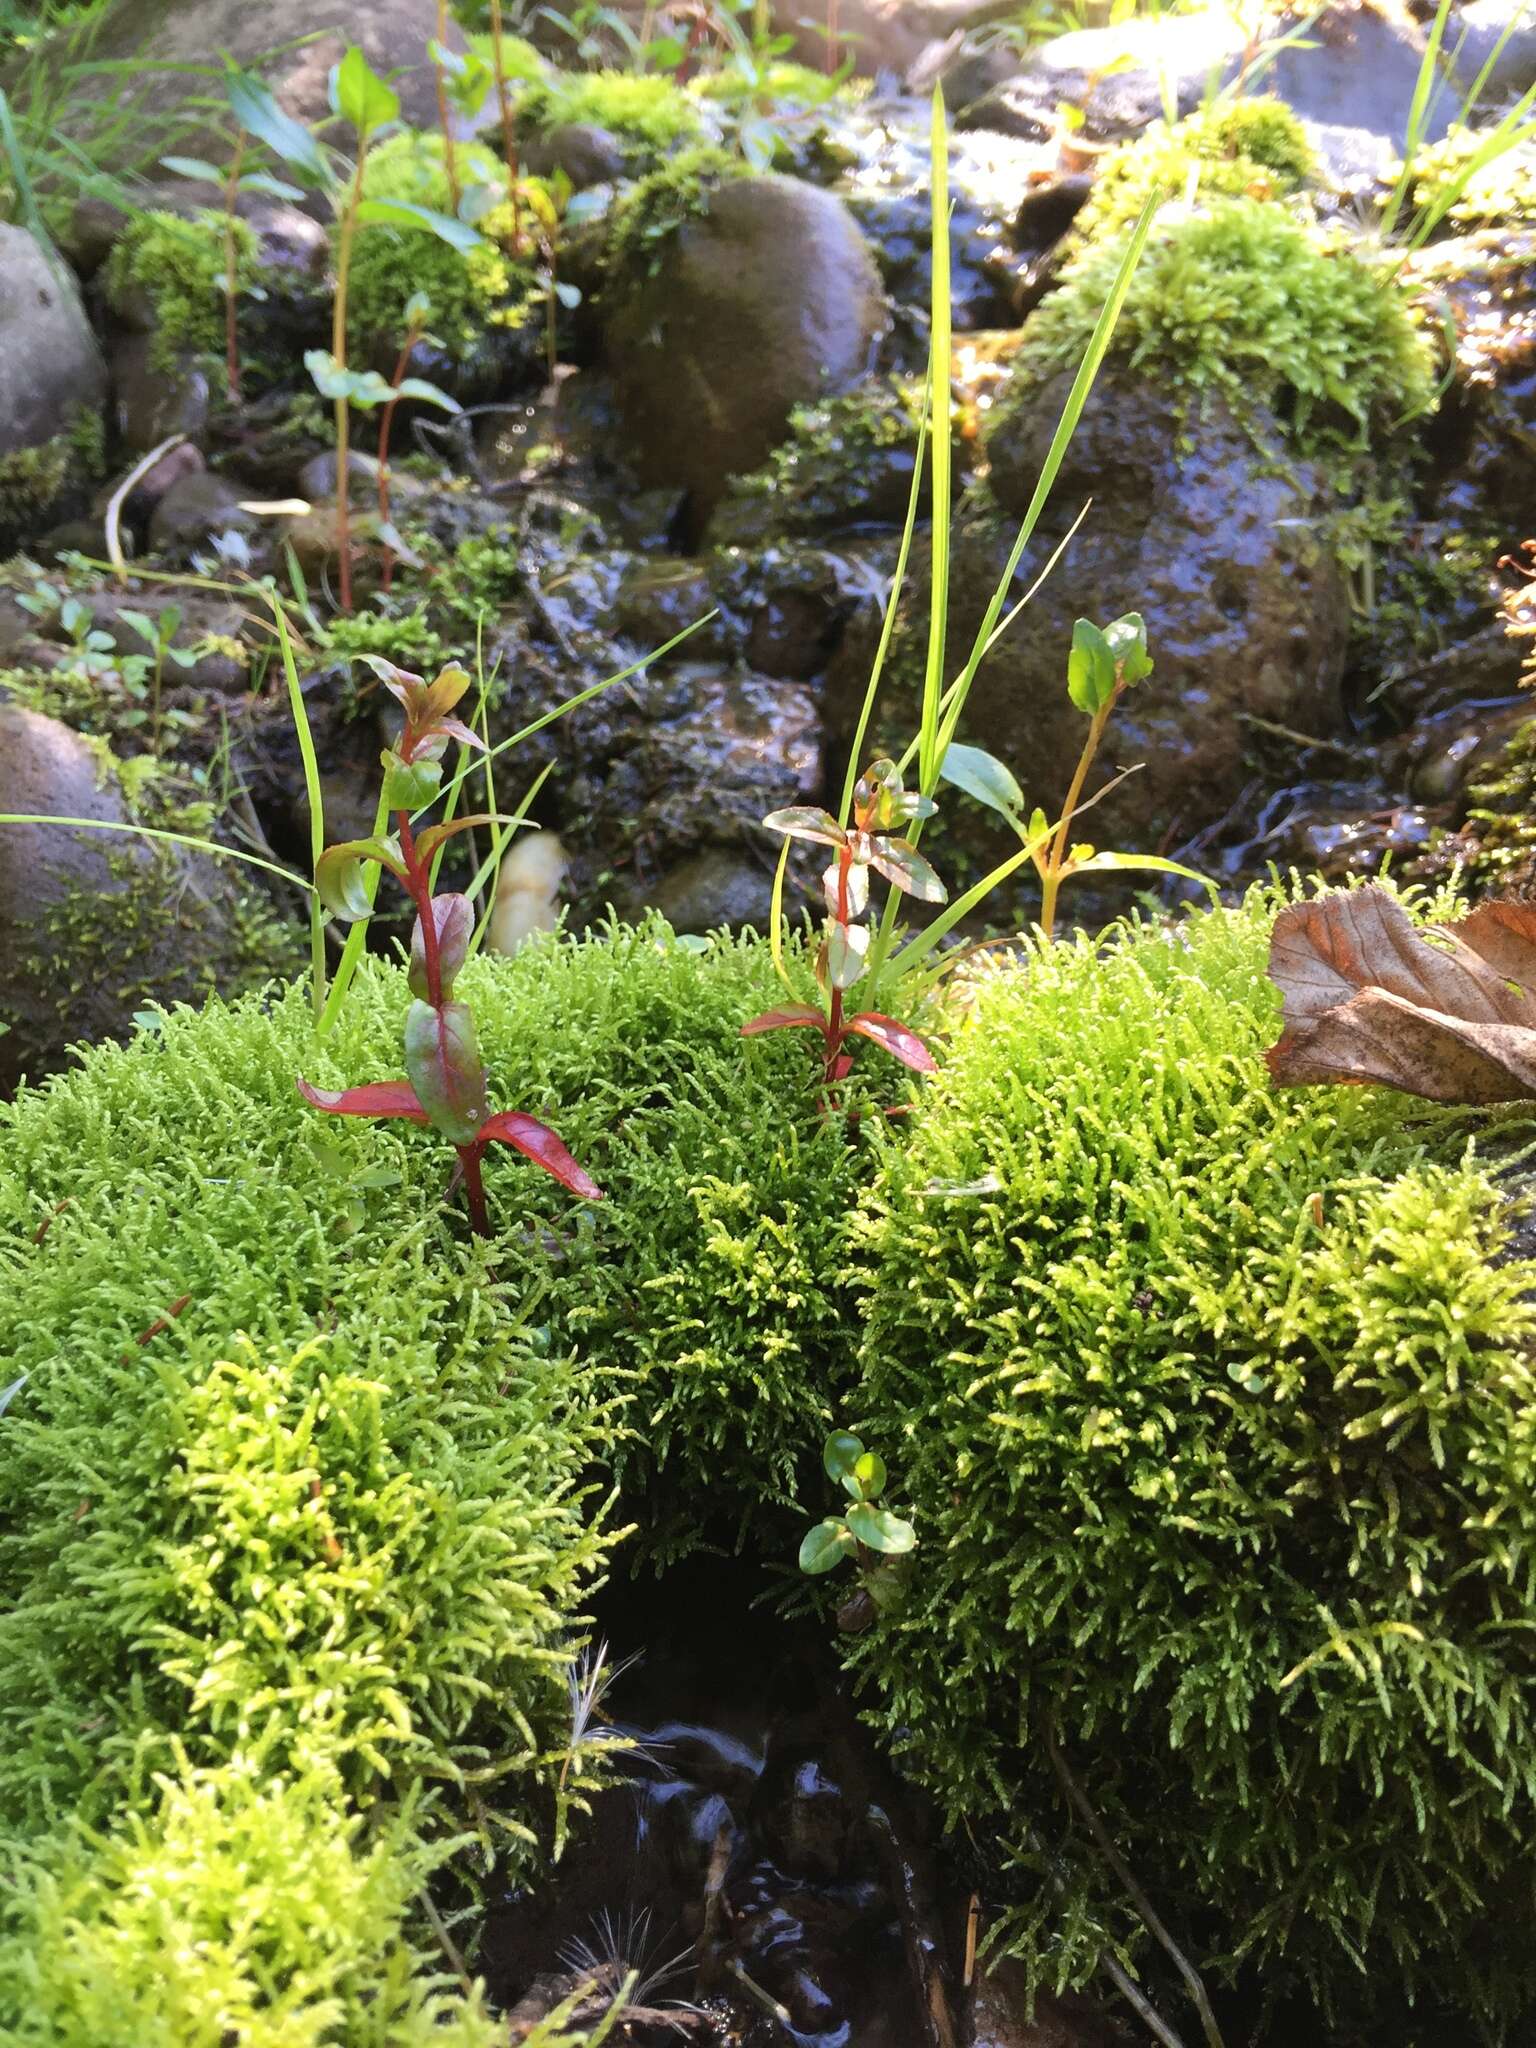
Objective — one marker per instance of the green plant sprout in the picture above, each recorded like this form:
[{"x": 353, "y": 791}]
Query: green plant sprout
[
  {"x": 370, "y": 107},
  {"x": 1102, "y": 666},
  {"x": 878, "y": 1541},
  {"x": 158, "y": 630}
]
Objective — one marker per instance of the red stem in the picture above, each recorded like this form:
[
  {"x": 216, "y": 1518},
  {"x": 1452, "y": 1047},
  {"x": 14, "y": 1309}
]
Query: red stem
[
  {"x": 386, "y": 425},
  {"x": 418, "y": 885},
  {"x": 231, "y": 263},
  {"x": 834, "y": 1029},
  {"x": 474, "y": 1189}
]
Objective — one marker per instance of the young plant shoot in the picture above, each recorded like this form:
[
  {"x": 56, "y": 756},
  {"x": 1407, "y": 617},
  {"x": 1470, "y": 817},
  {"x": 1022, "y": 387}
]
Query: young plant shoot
[
  {"x": 445, "y": 1082},
  {"x": 878, "y": 1541}
]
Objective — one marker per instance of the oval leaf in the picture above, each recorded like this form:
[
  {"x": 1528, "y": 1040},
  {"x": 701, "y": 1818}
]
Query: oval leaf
[
  {"x": 806, "y": 821},
  {"x": 426, "y": 394},
  {"x": 374, "y": 1098},
  {"x": 847, "y": 953},
  {"x": 408, "y": 785},
  {"x": 1127, "y": 640},
  {"x": 984, "y": 777},
  {"x": 840, "y": 1453},
  {"x": 896, "y": 1039},
  {"x": 867, "y": 1479},
  {"x": 360, "y": 96},
  {"x": 824, "y": 1547},
  {"x": 443, "y": 1062},
  {"x": 782, "y": 1020},
  {"x": 339, "y": 878},
  {"x": 454, "y": 917},
  {"x": 905, "y": 869},
  {"x": 544, "y": 1147},
  {"x": 1090, "y": 668},
  {"x": 402, "y": 213},
  {"x": 878, "y": 1529},
  {"x": 259, "y": 114}
]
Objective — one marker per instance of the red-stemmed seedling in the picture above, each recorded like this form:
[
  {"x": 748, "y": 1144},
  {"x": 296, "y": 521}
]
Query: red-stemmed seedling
[
  {"x": 880, "y": 806},
  {"x": 445, "y": 1080}
]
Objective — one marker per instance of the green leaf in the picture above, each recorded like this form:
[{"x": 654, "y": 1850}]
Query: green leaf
[
  {"x": 259, "y": 114},
  {"x": 365, "y": 388},
  {"x": 408, "y": 785},
  {"x": 1090, "y": 668},
  {"x": 141, "y": 623},
  {"x": 878, "y": 1529},
  {"x": 824, "y": 1547},
  {"x": 906, "y": 869},
  {"x": 442, "y": 1062},
  {"x": 403, "y": 213},
  {"x": 427, "y": 394},
  {"x": 272, "y": 188},
  {"x": 1153, "y": 861},
  {"x": 193, "y": 167},
  {"x": 339, "y": 875},
  {"x": 840, "y": 1453},
  {"x": 867, "y": 1479},
  {"x": 363, "y": 99},
  {"x": 984, "y": 777},
  {"x": 1127, "y": 638}
]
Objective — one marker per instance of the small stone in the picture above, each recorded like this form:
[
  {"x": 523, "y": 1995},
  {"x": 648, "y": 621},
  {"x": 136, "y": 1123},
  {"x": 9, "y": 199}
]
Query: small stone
[
  {"x": 199, "y": 505},
  {"x": 152, "y": 402},
  {"x": 587, "y": 154}
]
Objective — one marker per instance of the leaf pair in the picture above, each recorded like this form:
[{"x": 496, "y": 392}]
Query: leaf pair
[
  {"x": 535, "y": 1140},
  {"x": 1105, "y": 661},
  {"x": 862, "y": 1476},
  {"x": 366, "y": 389},
  {"x": 895, "y": 858},
  {"x": 896, "y": 1039}
]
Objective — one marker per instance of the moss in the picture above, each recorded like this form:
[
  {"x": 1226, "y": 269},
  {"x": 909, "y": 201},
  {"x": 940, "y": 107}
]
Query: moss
[
  {"x": 177, "y": 263},
  {"x": 1216, "y": 1408},
  {"x": 1242, "y": 302},
  {"x": 406, "y": 638},
  {"x": 521, "y": 61},
  {"x": 1500, "y": 194},
  {"x": 842, "y": 460},
  {"x": 778, "y": 88},
  {"x": 649, "y": 216},
  {"x": 471, "y": 293},
  {"x": 647, "y": 110},
  {"x": 1246, "y": 147},
  {"x": 35, "y": 482}
]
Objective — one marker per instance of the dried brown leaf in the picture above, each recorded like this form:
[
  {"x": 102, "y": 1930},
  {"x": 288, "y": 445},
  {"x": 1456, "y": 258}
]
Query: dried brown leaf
[{"x": 1448, "y": 1013}]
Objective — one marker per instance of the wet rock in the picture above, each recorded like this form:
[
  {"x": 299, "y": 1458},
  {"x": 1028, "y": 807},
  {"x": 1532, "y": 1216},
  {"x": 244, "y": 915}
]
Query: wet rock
[
  {"x": 879, "y": 35},
  {"x": 1001, "y": 2017},
  {"x": 845, "y": 463},
  {"x": 767, "y": 301},
  {"x": 1477, "y": 32},
  {"x": 163, "y": 51},
  {"x": 712, "y": 890},
  {"x": 52, "y": 383},
  {"x": 195, "y": 508},
  {"x": 1484, "y": 435},
  {"x": 209, "y": 625},
  {"x": 1358, "y": 71},
  {"x": 803, "y": 1817},
  {"x": 152, "y": 400},
  {"x": 93, "y": 924},
  {"x": 1245, "y": 613},
  {"x": 694, "y": 761},
  {"x": 658, "y": 600},
  {"x": 587, "y": 154},
  {"x": 1116, "y": 75}
]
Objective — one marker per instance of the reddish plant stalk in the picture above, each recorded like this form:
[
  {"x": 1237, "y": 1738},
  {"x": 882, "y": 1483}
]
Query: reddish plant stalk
[
  {"x": 508, "y": 128},
  {"x": 835, "y": 1001},
  {"x": 231, "y": 264},
  {"x": 450, "y": 162},
  {"x": 386, "y": 427}
]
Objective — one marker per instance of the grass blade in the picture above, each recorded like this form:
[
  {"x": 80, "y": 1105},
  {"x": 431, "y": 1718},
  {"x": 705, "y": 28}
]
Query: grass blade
[
  {"x": 212, "y": 846},
  {"x": 939, "y": 371},
  {"x": 315, "y": 795},
  {"x": 1418, "y": 117}
]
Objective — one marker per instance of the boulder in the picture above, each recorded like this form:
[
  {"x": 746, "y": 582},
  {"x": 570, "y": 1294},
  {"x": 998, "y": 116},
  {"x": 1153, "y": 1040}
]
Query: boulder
[
  {"x": 1191, "y": 526},
  {"x": 881, "y": 35},
  {"x": 52, "y": 383},
  {"x": 165, "y": 47},
  {"x": 1480, "y": 29},
  {"x": 1351, "y": 78},
  {"x": 93, "y": 925},
  {"x": 766, "y": 301}
]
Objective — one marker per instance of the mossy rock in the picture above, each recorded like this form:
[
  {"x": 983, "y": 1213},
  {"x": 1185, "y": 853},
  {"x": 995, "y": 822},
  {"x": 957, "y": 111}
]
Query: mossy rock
[{"x": 1215, "y": 1409}]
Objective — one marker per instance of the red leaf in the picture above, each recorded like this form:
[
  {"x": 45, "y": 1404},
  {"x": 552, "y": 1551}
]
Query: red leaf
[
  {"x": 375, "y": 1098},
  {"x": 445, "y": 1068},
  {"x": 841, "y": 1067},
  {"x": 543, "y": 1146},
  {"x": 783, "y": 1020},
  {"x": 896, "y": 1039}
]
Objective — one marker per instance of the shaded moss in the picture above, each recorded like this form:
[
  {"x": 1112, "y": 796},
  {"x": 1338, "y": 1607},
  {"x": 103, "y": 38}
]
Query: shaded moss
[
  {"x": 649, "y": 216},
  {"x": 1501, "y": 194},
  {"x": 178, "y": 263},
  {"x": 36, "y": 482},
  {"x": 473, "y": 292},
  {"x": 645, "y": 109}
]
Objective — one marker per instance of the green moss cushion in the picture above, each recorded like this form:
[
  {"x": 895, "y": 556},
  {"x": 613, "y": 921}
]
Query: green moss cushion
[
  {"x": 295, "y": 1506},
  {"x": 1216, "y": 1410}
]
